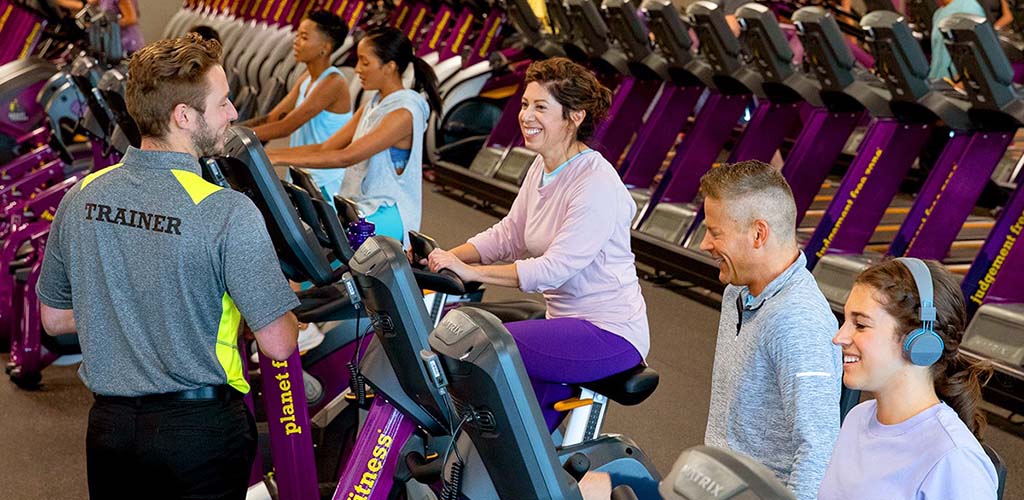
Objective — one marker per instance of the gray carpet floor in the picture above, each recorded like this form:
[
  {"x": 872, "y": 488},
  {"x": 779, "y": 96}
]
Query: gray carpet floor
[{"x": 42, "y": 433}]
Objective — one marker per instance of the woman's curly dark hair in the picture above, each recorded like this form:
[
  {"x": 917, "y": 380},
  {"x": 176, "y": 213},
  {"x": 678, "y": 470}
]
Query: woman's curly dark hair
[{"x": 575, "y": 88}]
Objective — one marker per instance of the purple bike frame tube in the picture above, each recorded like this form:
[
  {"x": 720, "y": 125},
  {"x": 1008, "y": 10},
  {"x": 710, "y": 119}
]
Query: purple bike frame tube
[
  {"x": 949, "y": 194},
  {"x": 629, "y": 104},
  {"x": 658, "y": 134},
  {"x": 36, "y": 356},
  {"x": 870, "y": 184},
  {"x": 25, "y": 163},
  {"x": 39, "y": 136},
  {"x": 488, "y": 39},
  {"x": 816, "y": 149},
  {"x": 25, "y": 348},
  {"x": 700, "y": 147},
  {"x": 768, "y": 127},
  {"x": 998, "y": 271},
  {"x": 256, "y": 472},
  {"x": 284, "y": 398},
  {"x": 10, "y": 246},
  {"x": 438, "y": 27},
  {"x": 370, "y": 470}
]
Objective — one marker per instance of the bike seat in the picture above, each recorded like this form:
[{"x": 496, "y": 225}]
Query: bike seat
[
  {"x": 627, "y": 388},
  {"x": 513, "y": 310}
]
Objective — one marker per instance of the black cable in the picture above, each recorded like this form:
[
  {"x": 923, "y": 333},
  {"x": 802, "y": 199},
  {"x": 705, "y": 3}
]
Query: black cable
[{"x": 453, "y": 486}]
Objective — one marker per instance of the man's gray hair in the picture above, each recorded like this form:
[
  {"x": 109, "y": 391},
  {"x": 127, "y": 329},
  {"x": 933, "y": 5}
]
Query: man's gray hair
[{"x": 752, "y": 190}]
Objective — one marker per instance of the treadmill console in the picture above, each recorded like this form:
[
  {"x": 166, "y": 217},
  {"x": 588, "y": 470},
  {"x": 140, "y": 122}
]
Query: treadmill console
[
  {"x": 899, "y": 59},
  {"x": 490, "y": 389},
  {"x": 825, "y": 52},
  {"x": 627, "y": 28},
  {"x": 525, "y": 22},
  {"x": 718, "y": 45},
  {"x": 767, "y": 45},
  {"x": 587, "y": 30},
  {"x": 980, "y": 61},
  {"x": 672, "y": 40}
]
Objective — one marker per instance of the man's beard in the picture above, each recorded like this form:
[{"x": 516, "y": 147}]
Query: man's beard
[{"x": 205, "y": 141}]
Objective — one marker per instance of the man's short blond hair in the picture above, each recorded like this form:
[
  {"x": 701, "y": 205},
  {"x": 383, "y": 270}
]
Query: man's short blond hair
[
  {"x": 752, "y": 190},
  {"x": 167, "y": 73}
]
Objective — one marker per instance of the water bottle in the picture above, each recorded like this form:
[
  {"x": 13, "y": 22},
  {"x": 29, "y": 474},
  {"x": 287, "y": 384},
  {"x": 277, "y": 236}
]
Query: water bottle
[{"x": 360, "y": 231}]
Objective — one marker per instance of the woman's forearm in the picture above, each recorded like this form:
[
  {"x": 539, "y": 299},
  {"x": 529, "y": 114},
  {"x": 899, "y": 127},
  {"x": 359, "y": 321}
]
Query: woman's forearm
[
  {"x": 467, "y": 253},
  {"x": 316, "y": 158},
  {"x": 500, "y": 275}
]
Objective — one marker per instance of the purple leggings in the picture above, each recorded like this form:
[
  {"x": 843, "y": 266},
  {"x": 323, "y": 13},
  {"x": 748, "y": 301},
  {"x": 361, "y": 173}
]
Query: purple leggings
[{"x": 568, "y": 350}]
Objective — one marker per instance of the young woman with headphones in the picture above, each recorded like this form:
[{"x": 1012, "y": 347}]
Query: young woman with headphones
[{"x": 918, "y": 438}]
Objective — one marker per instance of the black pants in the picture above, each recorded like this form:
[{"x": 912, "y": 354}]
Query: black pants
[{"x": 169, "y": 449}]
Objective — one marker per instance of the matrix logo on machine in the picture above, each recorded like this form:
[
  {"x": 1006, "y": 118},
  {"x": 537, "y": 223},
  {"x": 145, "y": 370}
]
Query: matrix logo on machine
[
  {"x": 373, "y": 466},
  {"x": 16, "y": 112}
]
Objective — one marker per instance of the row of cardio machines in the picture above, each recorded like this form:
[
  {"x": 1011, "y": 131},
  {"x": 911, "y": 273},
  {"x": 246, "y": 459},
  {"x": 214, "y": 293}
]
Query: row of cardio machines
[
  {"x": 821, "y": 104},
  {"x": 73, "y": 121},
  {"x": 457, "y": 38},
  {"x": 257, "y": 40},
  {"x": 430, "y": 380}
]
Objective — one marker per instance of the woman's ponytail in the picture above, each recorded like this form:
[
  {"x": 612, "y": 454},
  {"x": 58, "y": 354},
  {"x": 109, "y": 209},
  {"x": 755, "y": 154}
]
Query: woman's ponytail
[
  {"x": 426, "y": 81},
  {"x": 390, "y": 44},
  {"x": 959, "y": 386}
]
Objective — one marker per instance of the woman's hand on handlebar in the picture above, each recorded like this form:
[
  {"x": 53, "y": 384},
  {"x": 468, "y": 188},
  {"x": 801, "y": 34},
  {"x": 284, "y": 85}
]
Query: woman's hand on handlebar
[
  {"x": 412, "y": 259},
  {"x": 443, "y": 259}
]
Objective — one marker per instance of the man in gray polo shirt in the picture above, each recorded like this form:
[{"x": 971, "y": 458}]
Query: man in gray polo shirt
[
  {"x": 777, "y": 376},
  {"x": 155, "y": 269}
]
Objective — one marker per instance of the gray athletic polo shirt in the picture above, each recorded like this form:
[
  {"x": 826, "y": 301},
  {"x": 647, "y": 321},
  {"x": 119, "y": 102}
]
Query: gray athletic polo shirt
[{"x": 160, "y": 267}]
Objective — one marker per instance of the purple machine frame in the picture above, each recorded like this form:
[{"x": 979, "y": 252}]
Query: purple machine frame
[
  {"x": 869, "y": 185},
  {"x": 370, "y": 470},
  {"x": 997, "y": 272}
]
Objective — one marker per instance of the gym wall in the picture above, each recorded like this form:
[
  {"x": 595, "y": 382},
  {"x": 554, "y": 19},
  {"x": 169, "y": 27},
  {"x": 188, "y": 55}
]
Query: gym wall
[{"x": 154, "y": 14}]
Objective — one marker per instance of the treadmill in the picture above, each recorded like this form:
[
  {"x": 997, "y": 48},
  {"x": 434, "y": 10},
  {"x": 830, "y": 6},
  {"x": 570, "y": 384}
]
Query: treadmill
[
  {"x": 941, "y": 212},
  {"x": 994, "y": 297},
  {"x": 786, "y": 98}
]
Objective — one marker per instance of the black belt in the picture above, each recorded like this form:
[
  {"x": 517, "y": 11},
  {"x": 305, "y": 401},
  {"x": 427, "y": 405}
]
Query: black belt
[{"x": 208, "y": 393}]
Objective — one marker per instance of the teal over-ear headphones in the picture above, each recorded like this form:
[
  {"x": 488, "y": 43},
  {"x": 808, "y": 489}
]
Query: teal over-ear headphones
[{"x": 923, "y": 346}]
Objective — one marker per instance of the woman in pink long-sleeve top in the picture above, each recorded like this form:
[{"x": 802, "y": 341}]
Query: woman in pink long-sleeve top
[{"x": 566, "y": 236}]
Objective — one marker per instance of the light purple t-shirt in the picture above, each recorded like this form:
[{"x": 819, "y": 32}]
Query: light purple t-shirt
[
  {"x": 932, "y": 455},
  {"x": 570, "y": 240}
]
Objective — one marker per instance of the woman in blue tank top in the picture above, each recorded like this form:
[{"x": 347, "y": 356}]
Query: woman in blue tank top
[
  {"x": 319, "y": 104},
  {"x": 382, "y": 146}
]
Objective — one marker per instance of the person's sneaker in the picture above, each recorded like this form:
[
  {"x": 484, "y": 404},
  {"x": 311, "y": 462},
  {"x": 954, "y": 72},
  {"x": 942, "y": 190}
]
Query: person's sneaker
[{"x": 309, "y": 338}]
